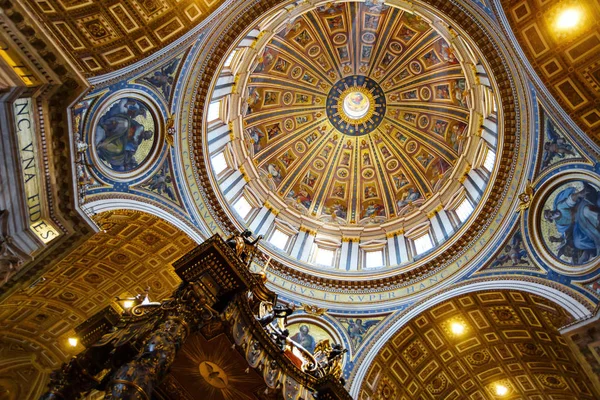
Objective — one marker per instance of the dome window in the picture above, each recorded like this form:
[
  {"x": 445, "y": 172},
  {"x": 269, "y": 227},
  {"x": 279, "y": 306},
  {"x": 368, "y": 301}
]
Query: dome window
[
  {"x": 219, "y": 163},
  {"x": 374, "y": 259},
  {"x": 242, "y": 207},
  {"x": 490, "y": 157},
  {"x": 324, "y": 257},
  {"x": 464, "y": 210},
  {"x": 423, "y": 244},
  {"x": 214, "y": 110},
  {"x": 279, "y": 239}
]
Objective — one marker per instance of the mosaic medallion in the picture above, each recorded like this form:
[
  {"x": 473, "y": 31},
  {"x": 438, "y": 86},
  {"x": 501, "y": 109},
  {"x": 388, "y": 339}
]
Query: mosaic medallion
[
  {"x": 125, "y": 134},
  {"x": 356, "y": 105}
]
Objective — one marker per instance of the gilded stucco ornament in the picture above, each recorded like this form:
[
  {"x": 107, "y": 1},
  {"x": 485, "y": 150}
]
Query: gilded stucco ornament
[{"x": 525, "y": 198}]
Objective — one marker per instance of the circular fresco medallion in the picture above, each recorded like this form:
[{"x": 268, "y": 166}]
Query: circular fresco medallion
[
  {"x": 289, "y": 124},
  {"x": 425, "y": 93},
  {"x": 423, "y": 121},
  {"x": 415, "y": 67},
  {"x": 369, "y": 37},
  {"x": 570, "y": 223},
  {"x": 411, "y": 147},
  {"x": 396, "y": 47},
  {"x": 308, "y": 334},
  {"x": 125, "y": 134},
  {"x": 392, "y": 165},
  {"x": 368, "y": 173},
  {"x": 340, "y": 38},
  {"x": 296, "y": 72},
  {"x": 356, "y": 105},
  {"x": 288, "y": 97},
  {"x": 342, "y": 173},
  {"x": 314, "y": 51}
]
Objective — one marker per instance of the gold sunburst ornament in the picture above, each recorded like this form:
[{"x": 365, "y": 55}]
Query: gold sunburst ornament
[{"x": 356, "y": 105}]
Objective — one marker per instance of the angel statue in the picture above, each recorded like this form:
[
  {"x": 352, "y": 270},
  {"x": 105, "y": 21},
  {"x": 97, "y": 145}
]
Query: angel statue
[
  {"x": 269, "y": 312},
  {"x": 329, "y": 358},
  {"x": 244, "y": 248}
]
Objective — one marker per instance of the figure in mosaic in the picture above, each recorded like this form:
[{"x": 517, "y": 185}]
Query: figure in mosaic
[
  {"x": 575, "y": 215},
  {"x": 125, "y": 134}
]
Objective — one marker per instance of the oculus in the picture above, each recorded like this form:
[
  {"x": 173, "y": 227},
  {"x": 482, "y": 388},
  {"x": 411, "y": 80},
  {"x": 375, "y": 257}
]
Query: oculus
[{"x": 356, "y": 105}]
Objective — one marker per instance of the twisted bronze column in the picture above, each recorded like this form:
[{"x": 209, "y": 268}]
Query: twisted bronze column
[{"x": 136, "y": 379}]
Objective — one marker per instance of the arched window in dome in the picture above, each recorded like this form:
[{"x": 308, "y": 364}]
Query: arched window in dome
[
  {"x": 490, "y": 159},
  {"x": 219, "y": 163},
  {"x": 279, "y": 239},
  {"x": 374, "y": 259},
  {"x": 242, "y": 207},
  {"x": 214, "y": 111},
  {"x": 423, "y": 244},
  {"x": 324, "y": 256},
  {"x": 464, "y": 210}
]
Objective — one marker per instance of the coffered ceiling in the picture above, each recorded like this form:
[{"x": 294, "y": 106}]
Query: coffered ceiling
[
  {"x": 134, "y": 251},
  {"x": 102, "y": 36},
  {"x": 509, "y": 338},
  {"x": 565, "y": 60}
]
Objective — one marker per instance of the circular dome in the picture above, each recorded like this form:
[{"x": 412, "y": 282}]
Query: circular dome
[{"x": 359, "y": 123}]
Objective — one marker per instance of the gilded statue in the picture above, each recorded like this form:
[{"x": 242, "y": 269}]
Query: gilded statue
[{"x": 242, "y": 245}]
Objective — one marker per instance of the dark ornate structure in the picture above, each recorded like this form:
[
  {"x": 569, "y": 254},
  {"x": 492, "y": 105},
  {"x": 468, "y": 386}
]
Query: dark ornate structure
[{"x": 128, "y": 357}]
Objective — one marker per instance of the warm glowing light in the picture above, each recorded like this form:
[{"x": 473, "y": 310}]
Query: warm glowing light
[
  {"x": 501, "y": 390},
  {"x": 457, "y": 328},
  {"x": 73, "y": 341},
  {"x": 569, "y": 18},
  {"x": 128, "y": 304},
  {"x": 356, "y": 105}
]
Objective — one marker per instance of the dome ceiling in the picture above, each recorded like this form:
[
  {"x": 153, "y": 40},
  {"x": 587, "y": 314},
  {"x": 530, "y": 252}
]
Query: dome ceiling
[
  {"x": 365, "y": 134},
  {"x": 356, "y": 114}
]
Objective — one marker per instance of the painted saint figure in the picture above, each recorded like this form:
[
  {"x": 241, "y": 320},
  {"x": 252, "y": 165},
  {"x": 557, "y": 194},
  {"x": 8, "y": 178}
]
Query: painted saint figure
[
  {"x": 576, "y": 215},
  {"x": 357, "y": 330},
  {"x": 119, "y": 134},
  {"x": 304, "y": 338}
]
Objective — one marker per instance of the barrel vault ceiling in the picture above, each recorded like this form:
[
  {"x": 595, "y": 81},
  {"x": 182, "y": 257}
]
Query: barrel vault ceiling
[{"x": 133, "y": 252}]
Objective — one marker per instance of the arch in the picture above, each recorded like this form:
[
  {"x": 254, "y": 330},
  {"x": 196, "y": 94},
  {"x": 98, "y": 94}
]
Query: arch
[
  {"x": 102, "y": 205},
  {"x": 576, "y": 309}
]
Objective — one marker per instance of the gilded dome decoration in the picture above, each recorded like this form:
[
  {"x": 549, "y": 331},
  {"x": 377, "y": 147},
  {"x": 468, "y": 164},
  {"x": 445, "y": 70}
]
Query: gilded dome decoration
[
  {"x": 360, "y": 122},
  {"x": 355, "y": 105}
]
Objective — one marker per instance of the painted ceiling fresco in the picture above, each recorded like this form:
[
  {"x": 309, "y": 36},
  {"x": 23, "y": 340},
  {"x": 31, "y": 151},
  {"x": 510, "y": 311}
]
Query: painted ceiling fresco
[
  {"x": 566, "y": 61},
  {"x": 509, "y": 338},
  {"x": 356, "y": 170}
]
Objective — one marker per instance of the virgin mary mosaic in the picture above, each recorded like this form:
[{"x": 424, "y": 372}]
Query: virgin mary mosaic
[
  {"x": 570, "y": 223},
  {"x": 125, "y": 134}
]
